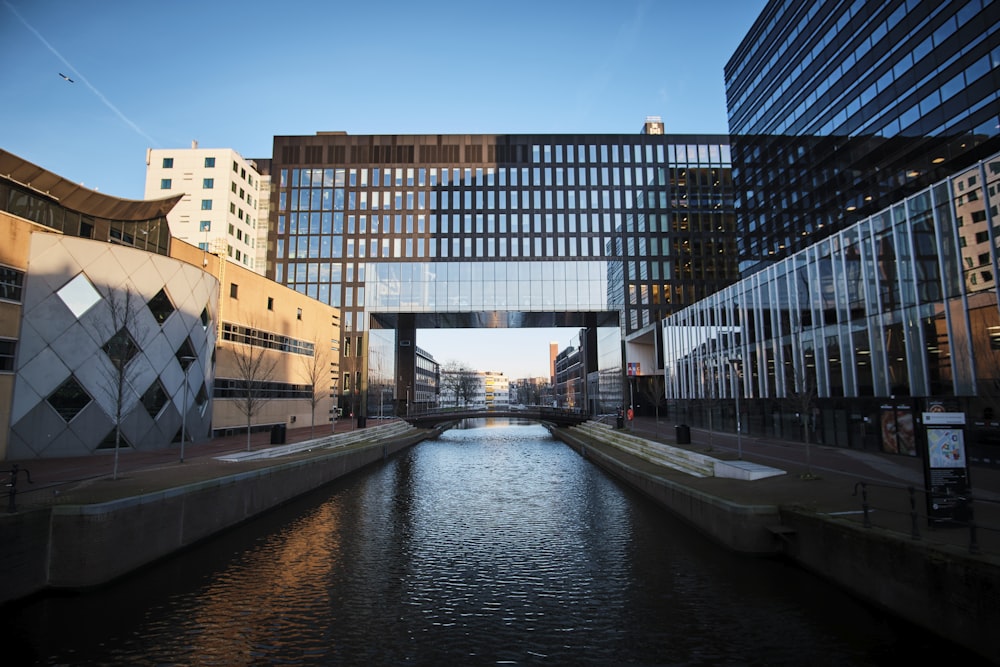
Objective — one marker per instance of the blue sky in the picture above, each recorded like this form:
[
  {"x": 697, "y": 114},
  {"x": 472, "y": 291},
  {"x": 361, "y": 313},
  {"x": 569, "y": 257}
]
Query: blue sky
[{"x": 235, "y": 74}]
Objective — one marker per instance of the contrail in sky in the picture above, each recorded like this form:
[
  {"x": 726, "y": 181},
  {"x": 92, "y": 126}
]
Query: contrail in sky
[{"x": 83, "y": 79}]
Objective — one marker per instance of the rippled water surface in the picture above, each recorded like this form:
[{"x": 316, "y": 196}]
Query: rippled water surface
[{"x": 493, "y": 545}]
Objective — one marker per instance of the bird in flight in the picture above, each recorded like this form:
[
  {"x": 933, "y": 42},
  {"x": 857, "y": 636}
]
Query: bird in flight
[{"x": 66, "y": 77}]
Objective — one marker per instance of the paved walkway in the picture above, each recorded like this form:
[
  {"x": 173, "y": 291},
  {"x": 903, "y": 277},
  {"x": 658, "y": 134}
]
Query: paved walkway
[
  {"x": 835, "y": 481},
  {"x": 819, "y": 478}
]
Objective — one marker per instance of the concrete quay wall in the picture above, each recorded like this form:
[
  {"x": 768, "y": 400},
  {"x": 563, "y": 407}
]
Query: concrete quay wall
[
  {"x": 941, "y": 588},
  {"x": 742, "y": 528},
  {"x": 80, "y": 546},
  {"x": 946, "y": 590}
]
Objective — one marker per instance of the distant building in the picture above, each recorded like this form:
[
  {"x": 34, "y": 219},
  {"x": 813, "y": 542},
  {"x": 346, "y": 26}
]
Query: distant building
[
  {"x": 475, "y": 389},
  {"x": 495, "y": 389},
  {"x": 570, "y": 377},
  {"x": 219, "y": 210},
  {"x": 427, "y": 381},
  {"x": 531, "y": 391}
]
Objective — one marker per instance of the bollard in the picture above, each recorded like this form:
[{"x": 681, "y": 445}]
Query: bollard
[
  {"x": 973, "y": 542},
  {"x": 864, "y": 501},
  {"x": 914, "y": 530},
  {"x": 12, "y": 485}
]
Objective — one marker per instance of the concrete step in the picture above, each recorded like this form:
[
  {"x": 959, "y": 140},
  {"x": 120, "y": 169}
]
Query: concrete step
[
  {"x": 372, "y": 434},
  {"x": 683, "y": 460}
]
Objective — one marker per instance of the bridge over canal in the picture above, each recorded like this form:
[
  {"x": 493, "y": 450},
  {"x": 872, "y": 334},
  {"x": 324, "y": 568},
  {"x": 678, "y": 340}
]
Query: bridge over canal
[{"x": 555, "y": 416}]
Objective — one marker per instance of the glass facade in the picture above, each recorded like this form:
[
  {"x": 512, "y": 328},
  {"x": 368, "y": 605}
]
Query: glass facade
[
  {"x": 893, "y": 314},
  {"x": 839, "y": 109},
  {"x": 637, "y": 225}
]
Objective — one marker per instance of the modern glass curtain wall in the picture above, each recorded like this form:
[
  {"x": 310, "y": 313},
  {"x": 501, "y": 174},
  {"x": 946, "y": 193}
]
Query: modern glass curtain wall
[{"x": 901, "y": 304}]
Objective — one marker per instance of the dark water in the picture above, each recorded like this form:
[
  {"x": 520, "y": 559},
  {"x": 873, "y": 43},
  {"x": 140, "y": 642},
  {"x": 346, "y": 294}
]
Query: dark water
[{"x": 492, "y": 545}]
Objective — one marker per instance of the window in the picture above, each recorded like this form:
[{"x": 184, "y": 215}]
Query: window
[
  {"x": 270, "y": 303},
  {"x": 160, "y": 306},
  {"x": 209, "y": 162},
  {"x": 168, "y": 163},
  {"x": 79, "y": 295},
  {"x": 205, "y": 226},
  {"x": 69, "y": 399},
  {"x": 154, "y": 399},
  {"x": 298, "y": 313},
  {"x": 7, "y": 348},
  {"x": 165, "y": 183},
  {"x": 206, "y": 204},
  {"x": 11, "y": 283},
  {"x": 208, "y": 183},
  {"x": 233, "y": 290}
]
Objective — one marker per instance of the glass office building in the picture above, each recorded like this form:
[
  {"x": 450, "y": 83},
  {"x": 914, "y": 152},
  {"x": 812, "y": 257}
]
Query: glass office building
[
  {"x": 846, "y": 341},
  {"x": 838, "y": 109},
  {"x": 405, "y": 232}
]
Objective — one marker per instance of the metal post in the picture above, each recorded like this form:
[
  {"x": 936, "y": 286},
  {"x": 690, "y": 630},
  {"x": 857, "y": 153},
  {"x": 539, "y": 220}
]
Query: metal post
[
  {"x": 736, "y": 392},
  {"x": 184, "y": 407},
  {"x": 914, "y": 528},
  {"x": 864, "y": 502}
]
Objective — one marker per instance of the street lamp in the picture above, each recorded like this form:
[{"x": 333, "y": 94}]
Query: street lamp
[
  {"x": 186, "y": 361},
  {"x": 736, "y": 391}
]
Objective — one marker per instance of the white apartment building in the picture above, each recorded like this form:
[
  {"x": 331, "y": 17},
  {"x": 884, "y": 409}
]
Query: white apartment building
[
  {"x": 486, "y": 389},
  {"x": 496, "y": 389},
  {"x": 220, "y": 209}
]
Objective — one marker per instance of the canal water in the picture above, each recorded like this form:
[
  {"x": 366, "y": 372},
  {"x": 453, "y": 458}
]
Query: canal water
[{"x": 492, "y": 545}]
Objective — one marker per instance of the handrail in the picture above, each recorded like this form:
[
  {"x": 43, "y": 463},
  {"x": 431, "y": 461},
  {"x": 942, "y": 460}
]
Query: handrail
[{"x": 963, "y": 516}]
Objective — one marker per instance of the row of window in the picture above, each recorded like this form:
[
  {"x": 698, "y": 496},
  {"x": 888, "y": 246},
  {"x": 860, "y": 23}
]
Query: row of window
[
  {"x": 315, "y": 224},
  {"x": 243, "y": 335},
  {"x": 209, "y": 163},
  {"x": 11, "y": 284},
  {"x": 537, "y": 177},
  {"x": 618, "y": 156},
  {"x": 334, "y": 200},
  {"x": 236, "y": 388}
]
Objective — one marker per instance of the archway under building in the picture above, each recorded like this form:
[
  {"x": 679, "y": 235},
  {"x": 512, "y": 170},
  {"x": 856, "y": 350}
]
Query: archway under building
[{"x": 393, "y": 343}]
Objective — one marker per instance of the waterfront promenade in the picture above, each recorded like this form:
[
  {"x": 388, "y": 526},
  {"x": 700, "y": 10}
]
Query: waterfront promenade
[
  {"x": 857, "y": 518},
  {"x": 833, "y": 488}
]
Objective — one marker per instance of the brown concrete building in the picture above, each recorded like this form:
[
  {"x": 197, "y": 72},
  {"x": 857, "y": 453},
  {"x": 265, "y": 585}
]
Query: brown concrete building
[{"x": 113, "y": 334}]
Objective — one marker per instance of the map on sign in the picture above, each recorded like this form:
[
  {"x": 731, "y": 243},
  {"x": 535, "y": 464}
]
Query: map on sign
[{"x": 945, "y": 448}]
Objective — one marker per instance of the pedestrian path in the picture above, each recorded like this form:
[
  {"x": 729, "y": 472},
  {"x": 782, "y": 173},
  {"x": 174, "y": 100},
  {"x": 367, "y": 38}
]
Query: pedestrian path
[{"x": 884, "y": 490}]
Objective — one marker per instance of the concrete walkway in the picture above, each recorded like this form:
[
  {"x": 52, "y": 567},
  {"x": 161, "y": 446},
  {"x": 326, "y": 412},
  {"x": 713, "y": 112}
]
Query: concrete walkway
[{"x": 837, "y": 481}]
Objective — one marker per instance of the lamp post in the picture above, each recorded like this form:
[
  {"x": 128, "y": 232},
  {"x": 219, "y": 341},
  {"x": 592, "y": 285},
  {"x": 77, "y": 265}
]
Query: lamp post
[
  {"x": 187, "y": 361},
  {"x": 736, "y": 391}
]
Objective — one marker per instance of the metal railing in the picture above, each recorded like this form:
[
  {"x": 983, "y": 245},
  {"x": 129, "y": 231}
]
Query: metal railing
[
  {"x": 897, "y": 502},
  {"x": 12, "y": 486}
]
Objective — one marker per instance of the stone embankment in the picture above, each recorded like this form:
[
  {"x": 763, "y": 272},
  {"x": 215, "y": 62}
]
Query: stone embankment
[
  {"x": 941, "y": 587},
  {"x": 85, "y": 540}
]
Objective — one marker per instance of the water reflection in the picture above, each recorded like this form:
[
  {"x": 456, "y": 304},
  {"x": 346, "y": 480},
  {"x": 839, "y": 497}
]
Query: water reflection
[{"x": 492, "y": 545}]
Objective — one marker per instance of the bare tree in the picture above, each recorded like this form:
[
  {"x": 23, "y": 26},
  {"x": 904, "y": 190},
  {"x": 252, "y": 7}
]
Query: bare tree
[
  {"x": 120, "y": 349},
  {"x": 651, "y": 388},
  {"x": 318, "y": 376},
  {"x": 802, "y": 401},
  {"x": 254, "y": 372},
  {"x": 460, "y": 381}
]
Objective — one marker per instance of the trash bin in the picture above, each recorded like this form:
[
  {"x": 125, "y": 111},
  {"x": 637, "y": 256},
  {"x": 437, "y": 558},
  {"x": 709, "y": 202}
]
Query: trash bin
[
  {"x": 361, "y": 421},
  {"x": 278, "y": 434},
  {"x": 683, "y": 434},
  {"x": 620, "y": 422}
]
